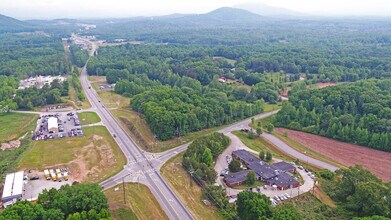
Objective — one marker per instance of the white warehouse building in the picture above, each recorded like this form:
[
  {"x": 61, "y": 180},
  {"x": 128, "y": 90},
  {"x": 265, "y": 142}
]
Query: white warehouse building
[
  {"x": 52, "y": 125},
  {"x": 13, "y": 188}
]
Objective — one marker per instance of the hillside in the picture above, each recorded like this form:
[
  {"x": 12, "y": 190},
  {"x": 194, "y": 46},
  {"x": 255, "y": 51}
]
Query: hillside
[
  {"x": 11, "y": 25},
  {"x": 267, "y": 10},
  {"x": 225, "y": 15}
]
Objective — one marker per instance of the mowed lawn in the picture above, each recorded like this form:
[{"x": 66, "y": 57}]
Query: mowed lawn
[
  {"x": 14, "y": 125},
  {"x": 92, "y": 150},
  {"x": 140, "y": 203},
  {"x": 87, "y": 118},
  {"x": 188, "y": 191}
]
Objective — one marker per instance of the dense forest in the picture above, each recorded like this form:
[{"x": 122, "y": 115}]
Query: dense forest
[
  {"x": 76, "y": 202},
  {"x": 356, "y": 112},
  {"x": 358, "y": 193},
  {"x": 30, "y": 54},
  {"x": 323, "y": 49},
  {"x": 79, "y": 57},
  {"x": 177, "y": 88}
]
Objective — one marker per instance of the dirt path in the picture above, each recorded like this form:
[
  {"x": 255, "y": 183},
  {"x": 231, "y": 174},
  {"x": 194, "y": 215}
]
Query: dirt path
[{"x": 378, "y": 162}]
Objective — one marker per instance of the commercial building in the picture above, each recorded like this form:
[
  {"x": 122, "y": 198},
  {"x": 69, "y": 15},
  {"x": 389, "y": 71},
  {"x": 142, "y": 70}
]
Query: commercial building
[
  {"x": 236, "y": 179},
  {"x": 272, "y": 174},
  {"x": 13, "y": 188},
  {"x": 52, "y": 125}
]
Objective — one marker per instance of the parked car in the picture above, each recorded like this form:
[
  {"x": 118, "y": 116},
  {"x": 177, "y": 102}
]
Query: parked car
[{"x": 34, "y": 178}]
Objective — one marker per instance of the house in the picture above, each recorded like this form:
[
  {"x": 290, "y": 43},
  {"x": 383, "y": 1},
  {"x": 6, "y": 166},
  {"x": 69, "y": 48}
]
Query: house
[
  {"x": 13, "y": 188},
  {"x": 52, "y": 125},
  {"x": 223, "y": 79},
  {"x": 236, "y": 179}
]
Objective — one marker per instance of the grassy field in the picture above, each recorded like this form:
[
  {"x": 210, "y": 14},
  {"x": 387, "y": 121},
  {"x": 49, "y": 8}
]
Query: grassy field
[
  {"x": 14, "y": 125},
  {"x": 140, "y": 203},
  {"x": 188, "y": 191},
  {"x": 91, "y": 158},
  {"x": 299, "y": 147},
  {"x": 87, "y": 118}
]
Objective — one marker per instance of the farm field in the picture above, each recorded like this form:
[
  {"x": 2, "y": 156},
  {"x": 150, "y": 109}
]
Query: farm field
[
  {"x": 140, "y": 203},
  {"x": 87, "y": 118},
  {"x": 91, "y": 158},
  {"x": 188, "y": 191},
  {"x": 378, "y": 162},
  {"x": 13, "y": 125}
]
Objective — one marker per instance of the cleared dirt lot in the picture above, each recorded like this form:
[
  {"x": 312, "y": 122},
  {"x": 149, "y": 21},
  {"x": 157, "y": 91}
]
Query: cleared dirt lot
[
  {"x": 378, "y": 162},
  {"x": 326, "y": 84}
]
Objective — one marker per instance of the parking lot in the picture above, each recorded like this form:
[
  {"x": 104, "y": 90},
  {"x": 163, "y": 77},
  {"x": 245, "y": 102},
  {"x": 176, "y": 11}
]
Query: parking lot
[
  {"x": 35, "y": 182},
  {"x": 62, "y": 125}
]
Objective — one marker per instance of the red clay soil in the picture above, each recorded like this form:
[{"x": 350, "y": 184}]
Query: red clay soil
[
  {"x": 325, "y": 84},
  {"x": 378, "y": 162}
]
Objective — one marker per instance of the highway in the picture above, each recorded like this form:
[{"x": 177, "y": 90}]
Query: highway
[{"x": 138, "y": 166}]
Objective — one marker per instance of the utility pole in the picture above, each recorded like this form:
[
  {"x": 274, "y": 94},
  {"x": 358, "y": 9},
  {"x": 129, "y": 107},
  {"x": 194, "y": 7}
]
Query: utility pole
[{"x": 123, "y": 186}]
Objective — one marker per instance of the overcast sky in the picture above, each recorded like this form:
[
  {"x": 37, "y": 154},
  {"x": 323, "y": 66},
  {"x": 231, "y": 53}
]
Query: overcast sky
[{"x": 26, "y": 9}]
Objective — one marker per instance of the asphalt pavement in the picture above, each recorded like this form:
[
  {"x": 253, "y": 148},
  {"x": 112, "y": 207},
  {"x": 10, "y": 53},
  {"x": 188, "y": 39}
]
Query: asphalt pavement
[{"x": 143, "y": 169}]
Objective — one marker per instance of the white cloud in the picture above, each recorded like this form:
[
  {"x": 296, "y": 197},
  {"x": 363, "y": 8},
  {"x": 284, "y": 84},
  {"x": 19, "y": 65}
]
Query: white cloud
[{"x": 129, "y": 8}]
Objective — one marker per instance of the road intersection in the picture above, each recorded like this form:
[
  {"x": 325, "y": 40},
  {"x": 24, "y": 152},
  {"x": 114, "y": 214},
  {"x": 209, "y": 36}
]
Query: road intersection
[{"x": 144, "y": 167}]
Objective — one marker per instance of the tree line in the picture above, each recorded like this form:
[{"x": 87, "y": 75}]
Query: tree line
[
  {"x": 199, "y": 157},
  {"x": 32, "y": 97},
  {"x": 356, "y": 112},
  {"x": 360, "y": 194},
  {"x": 79, "y": 56},
  {"x": 76, "y": 202}
]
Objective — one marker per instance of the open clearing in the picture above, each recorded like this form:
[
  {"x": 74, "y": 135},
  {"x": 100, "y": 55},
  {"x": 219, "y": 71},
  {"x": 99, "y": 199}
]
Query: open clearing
[
  {"x": 325, "y": 84},
  {"x": 14, "y": 125},
  {"x": 87, "y": 118},
  {"x": 140, "y": 203},
  {"x": 91, "y": 158},
  {"x": 188, "y": 191},
  {"x": 378, "y": 162}
]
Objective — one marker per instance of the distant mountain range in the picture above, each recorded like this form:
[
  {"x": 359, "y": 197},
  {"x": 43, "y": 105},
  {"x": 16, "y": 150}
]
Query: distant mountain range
[{"x": 267, "y": 10}]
